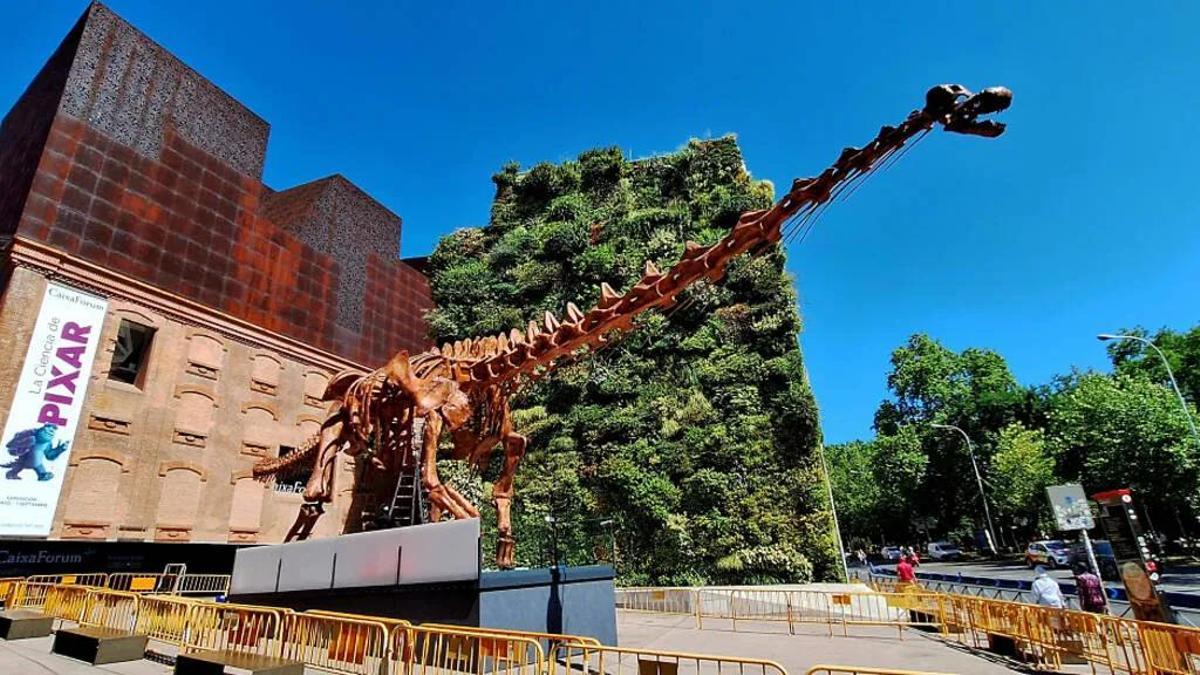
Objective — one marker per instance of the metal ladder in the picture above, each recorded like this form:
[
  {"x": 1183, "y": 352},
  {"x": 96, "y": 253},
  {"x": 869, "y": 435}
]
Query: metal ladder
[{"x": 408, "y": 500}]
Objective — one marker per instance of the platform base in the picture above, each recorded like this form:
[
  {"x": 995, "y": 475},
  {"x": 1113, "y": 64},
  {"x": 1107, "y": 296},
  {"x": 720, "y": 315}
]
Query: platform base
[
  {"x": 215, "y": 663},
  {"x": 570, "y": 600},
  {"x": 99, "y": 645},
  {"x": 19, "y": 624}
]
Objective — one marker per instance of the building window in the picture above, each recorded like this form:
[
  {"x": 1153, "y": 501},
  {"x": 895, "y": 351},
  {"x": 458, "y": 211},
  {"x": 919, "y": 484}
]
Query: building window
[
  {"x": 293, "y": 480},
  {"x": 131, "y": 353}
]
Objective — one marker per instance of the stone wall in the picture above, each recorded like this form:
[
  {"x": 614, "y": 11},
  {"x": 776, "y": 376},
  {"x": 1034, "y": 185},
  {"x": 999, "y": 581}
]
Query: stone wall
[{"x": 170, "y": 460}]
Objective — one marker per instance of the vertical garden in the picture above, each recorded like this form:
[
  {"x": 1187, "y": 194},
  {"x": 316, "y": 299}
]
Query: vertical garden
[{"x": 687, "y": 447}]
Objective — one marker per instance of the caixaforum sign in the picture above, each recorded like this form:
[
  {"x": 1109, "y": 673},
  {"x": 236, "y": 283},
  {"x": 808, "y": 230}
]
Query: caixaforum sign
[{"x": 46, "y": 407}]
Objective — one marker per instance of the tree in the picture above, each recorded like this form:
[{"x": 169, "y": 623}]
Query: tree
[
  {"x": 1182, "y": 350},
  {"x": 695, "y": 433},
  {"x": 1021, "y": 468},
  {"x": 973, "y": 390},
  {"x": 1125, "y": 431}
]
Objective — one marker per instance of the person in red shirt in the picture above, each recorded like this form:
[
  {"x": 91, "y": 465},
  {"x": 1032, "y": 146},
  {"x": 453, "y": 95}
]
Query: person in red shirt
[
  {"x": 1089, "y": 590},
  {"x": 904, "y": 571}
]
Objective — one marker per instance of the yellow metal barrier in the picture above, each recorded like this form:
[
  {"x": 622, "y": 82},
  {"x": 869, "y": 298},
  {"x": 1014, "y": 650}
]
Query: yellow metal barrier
[
  {"x": 591, "y": 660},
  {"x": 163, "y": 618},
  {"x": 232, "y": 628},
  {"x": 861, "y": 670},
  {"x": 336, "y": 644},
  {"x": 28, "y": 595},
  {"x": 7, "y": 584},
  {"x": 657, "y": 600},
  {"x": 421, "y": 650},
  {"x": 97, "y": 579},
  {"x": 202, "y": 584},
  {"x": 385, "y": 620},
  {"x": 550, "y": 638},
  {"x": 106, "y": 608},
  {"x": 143, "y": 582},
  {"x": 65, "y": 602}
]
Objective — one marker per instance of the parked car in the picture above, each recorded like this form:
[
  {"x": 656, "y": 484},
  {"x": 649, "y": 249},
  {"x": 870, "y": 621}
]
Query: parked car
[
  {"x": 943, "y": 550},
  {"x": 1049, "y": 552},
  {"x": 891, "y": 553},
  {"x": 1109, "y": 570}
]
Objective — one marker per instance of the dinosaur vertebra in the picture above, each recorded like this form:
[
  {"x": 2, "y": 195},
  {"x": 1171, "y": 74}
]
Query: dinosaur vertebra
[{"x": 465, "y": 387}]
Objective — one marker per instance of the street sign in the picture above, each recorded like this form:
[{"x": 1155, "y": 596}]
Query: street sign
[{"x": 1070, "y": 507}]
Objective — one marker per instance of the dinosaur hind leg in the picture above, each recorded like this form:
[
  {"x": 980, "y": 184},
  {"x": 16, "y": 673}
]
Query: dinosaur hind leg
[
  {"x": 502, "y": 495},
  {"x": 332, "y": 439},
  {"x": 442, "y": 498}
]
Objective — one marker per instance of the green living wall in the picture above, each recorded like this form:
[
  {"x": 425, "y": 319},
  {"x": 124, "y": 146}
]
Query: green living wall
[{"x": 688, "y": 447}]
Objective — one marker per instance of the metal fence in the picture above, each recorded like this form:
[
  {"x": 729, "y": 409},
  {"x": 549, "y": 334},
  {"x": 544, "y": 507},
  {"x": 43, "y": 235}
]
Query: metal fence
[
  {"x": 233, "y": 628},
  {"x": 106, "y": 608},
  {"x": 1046, "y": 636},
  {"x": 567, "y": 659},
  {"x": 441, "y": 651},
  {"x": 336, "y": 644},
  {"x": 163, "y": 618}
]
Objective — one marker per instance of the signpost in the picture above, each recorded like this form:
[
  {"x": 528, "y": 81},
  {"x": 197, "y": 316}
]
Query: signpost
[{"x": 1073, "y": 513}]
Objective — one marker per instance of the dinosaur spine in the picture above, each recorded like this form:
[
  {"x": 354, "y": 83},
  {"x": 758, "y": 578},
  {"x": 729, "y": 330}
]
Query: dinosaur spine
[{"x": 504, "y": 357}]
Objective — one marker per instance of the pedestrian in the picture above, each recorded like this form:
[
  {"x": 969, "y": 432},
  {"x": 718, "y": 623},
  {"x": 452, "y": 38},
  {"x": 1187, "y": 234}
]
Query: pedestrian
[
  {"x": 862, "y": 557},
  {"x": 904, "y": 571},
  {"x": 1045, "y": 589},
  {"x": 1089, "y": 590}
]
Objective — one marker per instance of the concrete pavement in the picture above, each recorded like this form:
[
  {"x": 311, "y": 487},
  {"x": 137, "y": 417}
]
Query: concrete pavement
[{"x": 866, "y": 646}]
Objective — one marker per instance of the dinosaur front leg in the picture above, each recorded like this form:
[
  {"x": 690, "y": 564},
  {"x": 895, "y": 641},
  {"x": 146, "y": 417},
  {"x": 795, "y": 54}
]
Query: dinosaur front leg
[
  {"x": 441, "y": 497},
  {"x": 502, "y": 495}
]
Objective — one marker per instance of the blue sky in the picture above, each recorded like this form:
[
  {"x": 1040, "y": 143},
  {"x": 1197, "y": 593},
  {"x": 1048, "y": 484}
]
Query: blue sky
[{"x": 1080, "y": 220}]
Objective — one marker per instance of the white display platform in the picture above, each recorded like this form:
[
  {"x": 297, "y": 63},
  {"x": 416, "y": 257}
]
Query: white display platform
[{"x": 421, "y": 554}]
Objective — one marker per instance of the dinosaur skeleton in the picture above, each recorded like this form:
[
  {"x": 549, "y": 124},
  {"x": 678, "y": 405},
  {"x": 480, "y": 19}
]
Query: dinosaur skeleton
[{"x": 465, "y": 387}]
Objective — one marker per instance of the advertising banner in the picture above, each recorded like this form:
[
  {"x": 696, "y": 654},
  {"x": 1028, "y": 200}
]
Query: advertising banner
[{"x": 46, "y": 408}]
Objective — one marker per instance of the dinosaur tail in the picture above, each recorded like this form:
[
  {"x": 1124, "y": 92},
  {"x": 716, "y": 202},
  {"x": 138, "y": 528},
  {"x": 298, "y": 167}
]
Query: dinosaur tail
[
  {"x": 265, "y": 469},
  {"x": 533, "y": 352}
]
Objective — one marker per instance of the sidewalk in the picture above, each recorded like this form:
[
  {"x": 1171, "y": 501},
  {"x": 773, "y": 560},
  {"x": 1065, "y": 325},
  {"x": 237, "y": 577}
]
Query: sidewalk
[{"x": 871, "y": 647}]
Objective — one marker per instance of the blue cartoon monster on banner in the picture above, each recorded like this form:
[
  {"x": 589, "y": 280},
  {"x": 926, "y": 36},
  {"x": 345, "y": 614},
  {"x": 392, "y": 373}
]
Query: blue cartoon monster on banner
[{"x": 32, "y": 448}]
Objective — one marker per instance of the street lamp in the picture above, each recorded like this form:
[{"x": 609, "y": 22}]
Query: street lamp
[
  {"x": 553, "y": 523},
  {"x": 1187, "y": 413},
  {"x": 612, "y": 540},
  {"x": 979, "y": 479}
]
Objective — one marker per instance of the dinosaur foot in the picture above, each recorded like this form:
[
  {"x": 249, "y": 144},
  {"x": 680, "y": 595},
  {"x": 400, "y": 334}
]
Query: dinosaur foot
[
  {"x": 446, "y": 499},
  {"x": 506, "y": 547}
]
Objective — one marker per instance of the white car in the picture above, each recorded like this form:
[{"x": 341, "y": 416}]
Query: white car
[
  {"x": 1049, "y": 552},
  {"x": 943, "y": 550},
  {"x": 891, "y": 553}
]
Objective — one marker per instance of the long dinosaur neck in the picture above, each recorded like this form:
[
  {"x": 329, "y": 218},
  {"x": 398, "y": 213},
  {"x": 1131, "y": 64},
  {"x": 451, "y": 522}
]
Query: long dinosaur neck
[{"x": 503, "y": 358}]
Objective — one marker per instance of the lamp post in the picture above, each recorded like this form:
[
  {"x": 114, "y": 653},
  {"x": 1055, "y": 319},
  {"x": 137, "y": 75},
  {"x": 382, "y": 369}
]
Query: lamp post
[
  {"x": 612, "y": 540},
  {"x": 1105, "y": 337},
  {"x": 991, "y": 530},
  {"x": 553, "y": 523}
]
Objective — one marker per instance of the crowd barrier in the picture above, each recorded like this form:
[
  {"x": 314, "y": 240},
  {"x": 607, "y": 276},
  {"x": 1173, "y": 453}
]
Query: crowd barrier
[
  {"x": 569, "y": 659},
  {"x": 1047, "y": 636},
  {"x": 106, "y": 608},
  {"x": 430, "y": 650},
  {"x": 163, "y": 618},
  {"x": 858, "y": 670},
  {"x": 65, "y": 602},
  {"x": 202, "y": 584}
]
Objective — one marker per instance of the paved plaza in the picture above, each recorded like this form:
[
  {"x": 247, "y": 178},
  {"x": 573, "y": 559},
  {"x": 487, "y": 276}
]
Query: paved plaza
[{"x": 879, "y": 647}]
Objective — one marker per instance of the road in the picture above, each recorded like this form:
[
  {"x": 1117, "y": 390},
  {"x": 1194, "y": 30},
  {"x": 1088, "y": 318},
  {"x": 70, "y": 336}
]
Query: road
[{"x": 1175, "y": 579}]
